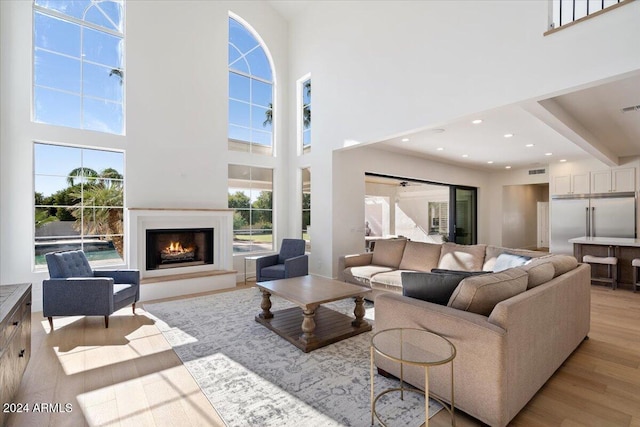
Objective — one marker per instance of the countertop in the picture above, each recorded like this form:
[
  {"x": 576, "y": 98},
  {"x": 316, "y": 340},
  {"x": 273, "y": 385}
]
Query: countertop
[
  {"x": 9, "y": 296},
  {"x": 606, "y": 241}
]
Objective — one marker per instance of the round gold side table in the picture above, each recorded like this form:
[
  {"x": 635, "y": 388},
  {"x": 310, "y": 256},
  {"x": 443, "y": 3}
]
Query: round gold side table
[{"x": 410, "y": 346}]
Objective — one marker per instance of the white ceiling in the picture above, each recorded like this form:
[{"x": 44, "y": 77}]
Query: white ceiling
[
  {"x": 582, "y": 123},
  {"x": 572, "y": 126}
]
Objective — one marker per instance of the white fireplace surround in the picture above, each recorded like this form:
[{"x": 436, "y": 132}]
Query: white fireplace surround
[{"x": 142, "y": 219}]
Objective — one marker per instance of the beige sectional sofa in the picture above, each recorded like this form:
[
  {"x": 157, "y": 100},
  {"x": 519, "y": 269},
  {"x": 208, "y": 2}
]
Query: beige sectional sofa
[{"x": 512, "y": 329}]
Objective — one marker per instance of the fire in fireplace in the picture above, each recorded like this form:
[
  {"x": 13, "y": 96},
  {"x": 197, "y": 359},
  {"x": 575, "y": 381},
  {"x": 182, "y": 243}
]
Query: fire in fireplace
[{"x": 179, "y": 247}]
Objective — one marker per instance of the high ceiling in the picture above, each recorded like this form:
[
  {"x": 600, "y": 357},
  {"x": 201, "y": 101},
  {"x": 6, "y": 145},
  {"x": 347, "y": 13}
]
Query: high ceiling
[
  {"x": 571, "y": 126},
  {"x": 588, "y": 122}
]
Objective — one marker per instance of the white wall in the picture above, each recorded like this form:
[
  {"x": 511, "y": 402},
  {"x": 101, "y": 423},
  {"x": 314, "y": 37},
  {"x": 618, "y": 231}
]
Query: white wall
[
  {"x": 382, "y": 68},
  {"x": 176, "y": 116}
]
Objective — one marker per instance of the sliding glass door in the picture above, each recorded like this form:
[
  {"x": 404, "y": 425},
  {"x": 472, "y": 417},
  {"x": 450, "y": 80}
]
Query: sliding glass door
[
  {"x": 462, "y": 206},
  {"x": 421, "y": 211}
]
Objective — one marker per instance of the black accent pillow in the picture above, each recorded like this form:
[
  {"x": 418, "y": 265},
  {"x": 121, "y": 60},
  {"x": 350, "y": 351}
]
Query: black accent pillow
[{"x": 435, "y": 287}]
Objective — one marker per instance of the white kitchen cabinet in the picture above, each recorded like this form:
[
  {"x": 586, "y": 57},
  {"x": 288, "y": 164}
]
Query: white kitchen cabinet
[
  {"x": 577, "y": 183},
  {"x": 613, "y": 180}
]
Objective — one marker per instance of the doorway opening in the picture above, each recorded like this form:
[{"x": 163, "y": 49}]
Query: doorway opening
[{"x": 419, "y": 210}]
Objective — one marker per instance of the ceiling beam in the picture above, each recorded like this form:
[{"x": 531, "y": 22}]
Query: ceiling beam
[{"x": 560, "y": 120}]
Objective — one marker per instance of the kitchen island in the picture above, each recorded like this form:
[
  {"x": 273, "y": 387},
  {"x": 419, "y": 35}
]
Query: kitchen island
[{"x": 623, "y": 248}]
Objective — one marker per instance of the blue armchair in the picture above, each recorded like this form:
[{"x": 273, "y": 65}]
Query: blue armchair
[
  {"x": 74, "y": 289},
  {"x": 290, "y": 262}
]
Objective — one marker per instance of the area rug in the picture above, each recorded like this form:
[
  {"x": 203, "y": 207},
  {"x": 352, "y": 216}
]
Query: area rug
[{"x": 253, "y": 377}]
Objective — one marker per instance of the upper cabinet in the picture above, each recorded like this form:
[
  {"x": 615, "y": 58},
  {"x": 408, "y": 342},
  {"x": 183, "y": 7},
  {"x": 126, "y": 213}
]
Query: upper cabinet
[
  {"x": 577, "y": 183},
  {"x": 613, "y": 180}
]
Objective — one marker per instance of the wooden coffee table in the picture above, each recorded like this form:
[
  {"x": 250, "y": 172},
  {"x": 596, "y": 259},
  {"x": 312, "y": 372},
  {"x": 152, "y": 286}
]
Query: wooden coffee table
[{"x": 310, "y": 325}]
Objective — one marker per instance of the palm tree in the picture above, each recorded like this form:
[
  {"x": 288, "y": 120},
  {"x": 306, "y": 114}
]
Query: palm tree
[
  {"x": 118, "y": 73},
  {"x": 81, "y": 172},
  {"x": 268, "y": 115},
  {"x": 99, "y": 212}
]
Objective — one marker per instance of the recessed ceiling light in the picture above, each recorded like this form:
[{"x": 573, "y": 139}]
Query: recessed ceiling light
[
  {"x": 490, "y": 161},
  {"x": 465, "y": 155},
  {"x": 529, "y": 145},
  {"x": 548, "y": 154},
  {"x": 405, "y": 139},
  {"x": 507, "y": 167},
  {"x": 477, "y": 121},
  {"x": 440, "y": 148},
  {"x": 508, "y": 135},
  {"x": 563, "y": 160}
]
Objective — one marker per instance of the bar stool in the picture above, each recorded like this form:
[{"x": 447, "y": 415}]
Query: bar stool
[
  {"x": 611, "y": 262},
  {"x": 635, "y": 263}
]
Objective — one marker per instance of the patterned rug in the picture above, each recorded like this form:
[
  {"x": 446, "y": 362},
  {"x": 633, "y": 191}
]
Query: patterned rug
[{"x": 253, "y": 377}]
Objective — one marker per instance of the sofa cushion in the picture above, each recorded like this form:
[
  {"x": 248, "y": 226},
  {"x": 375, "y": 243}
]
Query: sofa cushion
[
  {"x": 479, "y": 294},
  {"x": 420, "y": 256},
  {"x": 433, "y": 287},
  {"x": 561, "y": 263},
  {"x": 493, "y": 252},
  {"x": 390, "y": 281},
  {"x": 362, "y": 274},
  {"x": 388, "y": 252},
  {"x": 461, "y": 257},
  {"x": 508, "y": 260},
  {"x": 540, "y": 271}
]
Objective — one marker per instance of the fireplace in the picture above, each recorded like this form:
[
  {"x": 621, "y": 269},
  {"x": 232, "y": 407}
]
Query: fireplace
[{"x": 178, "y": 247}]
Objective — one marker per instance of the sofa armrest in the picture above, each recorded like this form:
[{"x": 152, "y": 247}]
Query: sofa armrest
[
  {"x": 554, "y": 318},
  {"x": 77, "y": 296},
  {"x": 479, "y": 375},
  {"x": 354, "y": 260},
  {"x": 296, "y": 266}
]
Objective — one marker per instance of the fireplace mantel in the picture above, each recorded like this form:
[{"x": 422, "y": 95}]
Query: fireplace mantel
[{"x": 221, "y": 220}]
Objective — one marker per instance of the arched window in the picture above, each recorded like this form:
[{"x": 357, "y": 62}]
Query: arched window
[
  {"x": 78, "y": 70},
  {"x": 250, "y": 92}
]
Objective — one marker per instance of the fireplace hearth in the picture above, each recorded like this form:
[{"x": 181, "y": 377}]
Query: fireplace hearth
[{"x": 178, "y": 247}]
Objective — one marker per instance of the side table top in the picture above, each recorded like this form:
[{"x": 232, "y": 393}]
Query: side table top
[{"x": 413, "y": 346}]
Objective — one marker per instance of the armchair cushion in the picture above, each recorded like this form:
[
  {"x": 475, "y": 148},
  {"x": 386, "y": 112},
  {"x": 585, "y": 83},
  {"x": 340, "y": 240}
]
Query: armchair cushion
[
  {"x": 68, "y": 264},
  {"x": 290, "y": 248},
  {"x": 273, "y": 272}
]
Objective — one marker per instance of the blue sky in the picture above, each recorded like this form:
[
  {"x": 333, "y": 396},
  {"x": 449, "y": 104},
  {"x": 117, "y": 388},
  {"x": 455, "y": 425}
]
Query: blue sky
[
  {"x": 52, "y": 164},
  {"x": 72, "y": 85}
]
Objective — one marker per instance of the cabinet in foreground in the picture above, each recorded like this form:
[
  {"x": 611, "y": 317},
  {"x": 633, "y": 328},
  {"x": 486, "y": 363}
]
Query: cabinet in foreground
[{"x": 15, "y": 340}]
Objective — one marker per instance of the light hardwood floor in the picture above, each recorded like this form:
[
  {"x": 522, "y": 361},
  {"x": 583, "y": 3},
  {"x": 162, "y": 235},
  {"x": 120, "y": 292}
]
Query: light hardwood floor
[{"x": 128, "y": 375}]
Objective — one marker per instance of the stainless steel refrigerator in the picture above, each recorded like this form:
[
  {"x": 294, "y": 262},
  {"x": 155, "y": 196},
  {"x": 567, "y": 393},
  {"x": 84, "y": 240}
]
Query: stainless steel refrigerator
[{"x": 591, "y": 215}]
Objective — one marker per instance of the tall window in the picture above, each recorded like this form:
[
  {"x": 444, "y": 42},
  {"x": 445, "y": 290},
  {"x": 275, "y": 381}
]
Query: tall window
[
  {"x": 306, "y": 206},
  {"x": 251, "y": 195},
  {"x": 305, "y": 114},
  {"x": 250, "y": 93},
  {"x": 78, "y": 202},
  {"x": 78, "y": 70}
]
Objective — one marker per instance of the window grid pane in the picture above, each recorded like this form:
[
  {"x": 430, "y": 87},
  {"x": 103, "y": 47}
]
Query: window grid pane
[
  {"x": 77, "y": 206},
  {"x": 251, "y": 196},
  {"x": 250, "y": 84},
  {"x": 78, "y": 65}
]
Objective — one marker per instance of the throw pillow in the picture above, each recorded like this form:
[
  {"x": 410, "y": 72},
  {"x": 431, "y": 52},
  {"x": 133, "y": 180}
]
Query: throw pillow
[
  {"x": 432, "y": 287},
  {"x": 479, "y": 294},
  {"x": 462, "y": 257},
  {"x": 507, "y": 260}
]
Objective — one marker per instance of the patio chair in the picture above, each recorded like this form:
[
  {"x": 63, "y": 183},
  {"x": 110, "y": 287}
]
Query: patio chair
[
  {"x": 75, "y": 289},
  {"x": 290, "y": 262}
]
